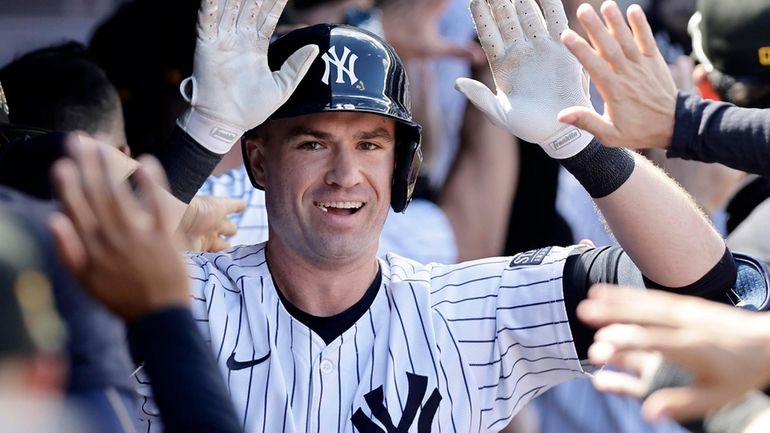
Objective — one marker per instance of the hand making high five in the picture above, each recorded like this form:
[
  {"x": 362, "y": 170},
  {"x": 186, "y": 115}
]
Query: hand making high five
[
  {"x": 631, "y": 75},
  {"x": 726, "y": 349},
  {"x": 233, "y": 88},
  {"x": 536, "y": 77},
  {"x": 118, "y": 248}
]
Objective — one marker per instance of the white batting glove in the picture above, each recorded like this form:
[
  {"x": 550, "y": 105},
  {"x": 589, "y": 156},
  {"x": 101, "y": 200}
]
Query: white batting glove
[
  {"x": 535, "y": 75},
  {"x": 233, "y": 89}
]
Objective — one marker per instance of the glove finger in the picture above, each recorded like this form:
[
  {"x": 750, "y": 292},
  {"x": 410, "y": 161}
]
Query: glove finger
[
  {"x": 507, "y": 21},
  {"x": 207, "y": 19},
  {"x": 486, "y": 28},
  {"x": 531, "y": 19},
  {"x": 555, "y": 17},
  {"x": 247, "y": 22},
  {"x": 229, "y": 16},
  {"x": 269, "y": 13},
  {"x": 293, "y": 69},
  {"x": 483, "y": 98}
]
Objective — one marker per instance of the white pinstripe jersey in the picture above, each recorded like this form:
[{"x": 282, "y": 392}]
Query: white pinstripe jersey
[
  {"x": 479, "y": 338},
  {"x": 423, "y": 233}
]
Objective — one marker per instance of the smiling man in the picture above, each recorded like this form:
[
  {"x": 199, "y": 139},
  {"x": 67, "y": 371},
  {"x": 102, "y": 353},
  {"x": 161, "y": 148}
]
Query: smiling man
[{"x": 311, "y": 330}]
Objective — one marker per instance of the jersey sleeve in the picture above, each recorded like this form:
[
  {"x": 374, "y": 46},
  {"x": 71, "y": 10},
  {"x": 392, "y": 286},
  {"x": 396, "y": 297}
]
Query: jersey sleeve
[{"x": 508, "y": 318}]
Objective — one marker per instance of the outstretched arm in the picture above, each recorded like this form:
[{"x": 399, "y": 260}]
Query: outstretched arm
[
  {"x": 479, "y": 190},
  {"x": 726, "y": 349},
  {"x": 121, "y": 252},
  {"x": 642, "y": 106},
  {"x": 536, "y": 77}
]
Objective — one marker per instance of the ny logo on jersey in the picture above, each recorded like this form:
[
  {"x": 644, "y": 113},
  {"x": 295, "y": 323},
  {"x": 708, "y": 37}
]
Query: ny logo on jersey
[
  {"x": 375, "y": 400},
  {"x": 339, "y": 63}
]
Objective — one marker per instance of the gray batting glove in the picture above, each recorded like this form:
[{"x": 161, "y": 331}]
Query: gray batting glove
[
  {"x": 535, "y": 75},
  {"x": 233, "y": 88}
]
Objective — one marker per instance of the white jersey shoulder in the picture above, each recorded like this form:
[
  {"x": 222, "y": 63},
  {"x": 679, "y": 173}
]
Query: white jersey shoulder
[{"x": 442, "y": 348}]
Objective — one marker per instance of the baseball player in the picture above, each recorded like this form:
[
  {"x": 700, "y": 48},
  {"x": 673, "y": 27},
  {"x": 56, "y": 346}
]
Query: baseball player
[{"x": 311, "y": 330}]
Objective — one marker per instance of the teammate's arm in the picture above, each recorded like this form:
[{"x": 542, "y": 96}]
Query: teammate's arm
[
  {"x": 536, "y": 77},
  {"x": 643, "y": 108},
  {"x": 479, "y": 190}
]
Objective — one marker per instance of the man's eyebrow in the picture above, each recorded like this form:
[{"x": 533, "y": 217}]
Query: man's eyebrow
[
  {"x": 376, "y": 133},
  {"x": 304, "y": 130}
]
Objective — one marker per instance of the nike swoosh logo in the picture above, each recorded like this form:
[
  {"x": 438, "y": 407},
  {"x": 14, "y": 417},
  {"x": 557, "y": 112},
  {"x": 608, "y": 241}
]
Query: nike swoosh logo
[{"x": 232, "y": 364}]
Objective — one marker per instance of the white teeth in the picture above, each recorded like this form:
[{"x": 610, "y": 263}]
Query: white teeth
[{"x": 325, "y": 205}]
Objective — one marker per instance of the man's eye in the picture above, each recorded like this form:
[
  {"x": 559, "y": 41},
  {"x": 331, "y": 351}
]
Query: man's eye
[
  {"x": 310, "y": 145},
  {"x": 368, "y": 146}
]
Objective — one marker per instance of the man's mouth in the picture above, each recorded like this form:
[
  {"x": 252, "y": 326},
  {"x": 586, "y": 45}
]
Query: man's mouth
[{"x": 340, "y": 207}]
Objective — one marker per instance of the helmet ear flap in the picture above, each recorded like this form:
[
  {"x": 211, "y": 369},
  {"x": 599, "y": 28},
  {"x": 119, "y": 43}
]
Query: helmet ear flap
[
  {"x": 408, "y": 160},
  {"x": 247, "y": 163}
]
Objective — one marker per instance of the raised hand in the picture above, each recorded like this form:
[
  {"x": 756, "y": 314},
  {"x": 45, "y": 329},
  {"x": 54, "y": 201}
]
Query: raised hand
[
  {"x": 233, "y": 88},
  {"x": 412, "y": 28},
  {"x": 631, "y": 75},
  {"x": 535, "y": 76},
  {"x": 727, "y": 350},
  {"x": 205, "y": 222},
  {"x": 117, "y": 248}
]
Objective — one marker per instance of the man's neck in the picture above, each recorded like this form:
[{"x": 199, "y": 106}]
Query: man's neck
[{"x": 320, "y": 289}]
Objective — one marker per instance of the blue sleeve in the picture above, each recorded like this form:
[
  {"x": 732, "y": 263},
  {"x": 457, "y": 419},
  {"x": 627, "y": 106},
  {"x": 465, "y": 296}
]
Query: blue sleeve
[
  {"x": 711, "y": 131},
  {"x": 186, "y": 383}
]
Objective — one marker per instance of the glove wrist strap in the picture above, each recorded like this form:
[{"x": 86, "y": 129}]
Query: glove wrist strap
[
  {"x": 567, "y": 142},
  {"x": 210, "y": 133}
]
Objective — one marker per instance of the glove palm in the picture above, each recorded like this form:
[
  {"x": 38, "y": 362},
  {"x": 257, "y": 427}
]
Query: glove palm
[
  {"x": 233, "y": 88},
  {"x": 535, "y": 75}
]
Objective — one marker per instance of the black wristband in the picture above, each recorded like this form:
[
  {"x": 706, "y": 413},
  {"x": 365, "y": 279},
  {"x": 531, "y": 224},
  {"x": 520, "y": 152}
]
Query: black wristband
[
  {"x": 187, "y": 164},
  {"x": 601, "y": 170}
]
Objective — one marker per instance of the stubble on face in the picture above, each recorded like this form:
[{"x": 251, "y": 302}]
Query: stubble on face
[{"x": 328, "y": 184}]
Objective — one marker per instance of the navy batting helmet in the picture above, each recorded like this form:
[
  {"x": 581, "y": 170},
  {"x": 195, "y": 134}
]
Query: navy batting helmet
[{"x": 358, "y": 72}]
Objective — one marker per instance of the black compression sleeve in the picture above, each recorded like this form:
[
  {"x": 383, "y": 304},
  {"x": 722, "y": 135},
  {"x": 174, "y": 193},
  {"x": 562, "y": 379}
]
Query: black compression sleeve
[
  {"x": 586, "y": 267},
  {"x": 713, "y": 285},
  {"x": 187, "y": 164},
  {"x": 186, "y": 384}
]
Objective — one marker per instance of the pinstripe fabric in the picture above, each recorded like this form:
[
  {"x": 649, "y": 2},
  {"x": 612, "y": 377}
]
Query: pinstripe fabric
[{"x": 487, "y": 336}]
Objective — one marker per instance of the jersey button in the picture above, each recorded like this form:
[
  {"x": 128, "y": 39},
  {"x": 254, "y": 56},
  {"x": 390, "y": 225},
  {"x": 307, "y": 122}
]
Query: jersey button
[{"x": 327, "y": 366}]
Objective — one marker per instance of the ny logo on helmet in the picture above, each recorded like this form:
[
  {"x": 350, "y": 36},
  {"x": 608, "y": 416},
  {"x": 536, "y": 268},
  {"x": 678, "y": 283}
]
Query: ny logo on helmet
[{"x": 339, "y": 63}]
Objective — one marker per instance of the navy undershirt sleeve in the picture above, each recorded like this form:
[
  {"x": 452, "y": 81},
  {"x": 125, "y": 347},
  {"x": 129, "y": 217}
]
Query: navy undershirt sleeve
[
  {"x": 711, "y": 131},
  {"x": 187, "y": 164},
  {"x": 186, "y": 382}
]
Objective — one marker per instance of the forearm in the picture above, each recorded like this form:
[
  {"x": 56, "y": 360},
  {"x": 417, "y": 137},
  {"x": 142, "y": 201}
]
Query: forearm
[
  {"x": 479, "y": 191},
  {"x": 712, "y": 131},
  {"x": 660, "y": 227},
  {"x": 187, "y": 164},
  {"x": 190, "y": 394}
]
